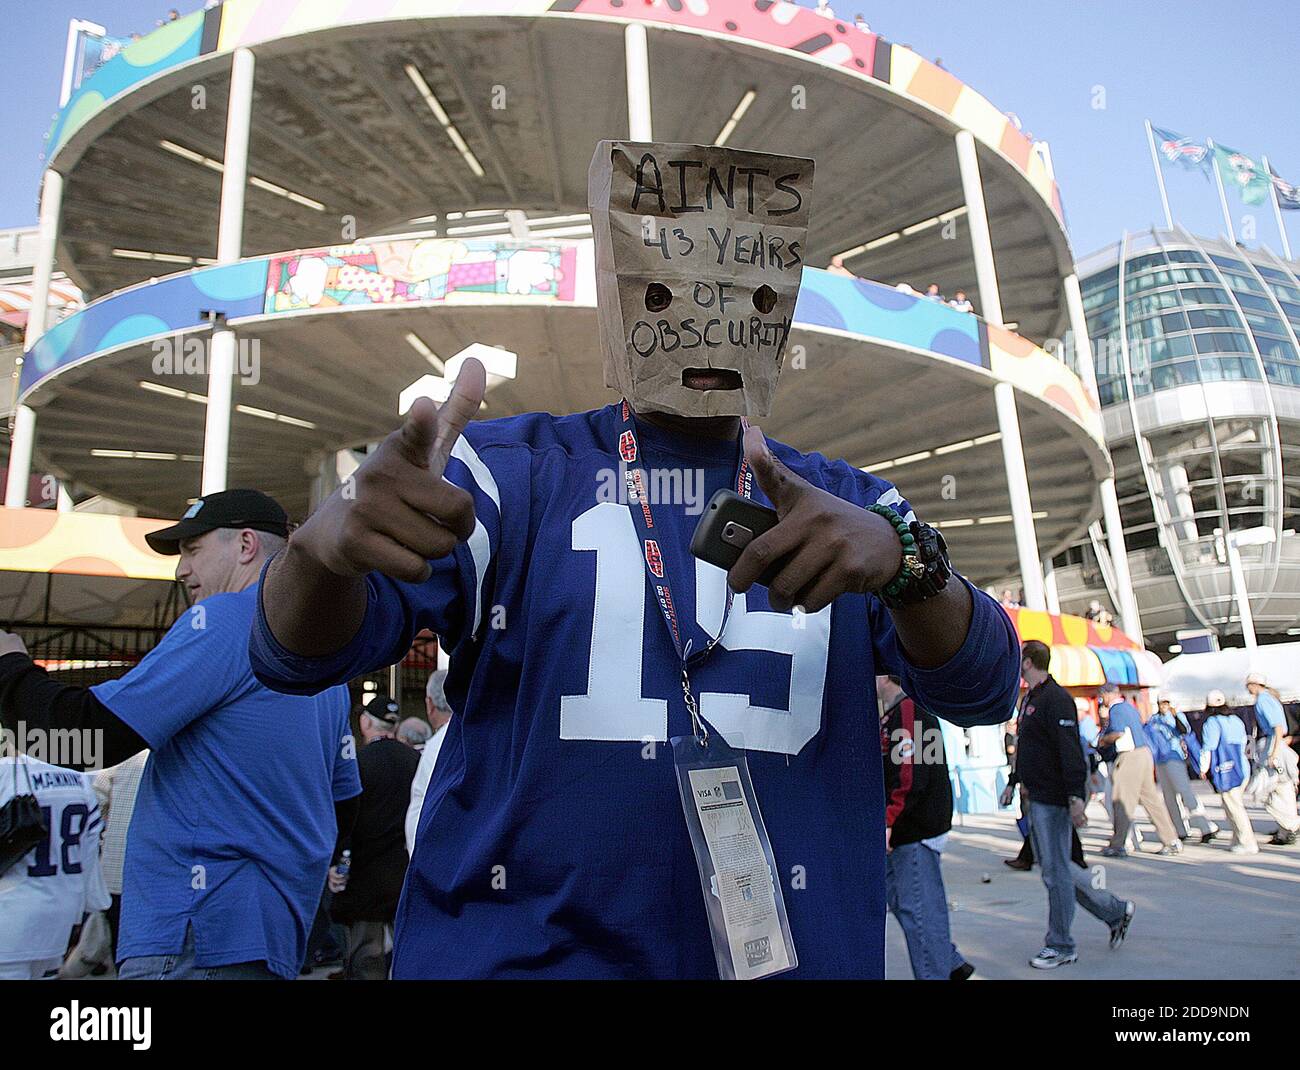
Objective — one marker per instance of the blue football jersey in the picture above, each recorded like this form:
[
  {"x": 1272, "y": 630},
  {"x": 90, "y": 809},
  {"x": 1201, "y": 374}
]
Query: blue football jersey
[{"x": 552, "y": 840}]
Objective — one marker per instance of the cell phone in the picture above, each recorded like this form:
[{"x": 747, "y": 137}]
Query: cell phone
[{"x": 729, "y": 524}]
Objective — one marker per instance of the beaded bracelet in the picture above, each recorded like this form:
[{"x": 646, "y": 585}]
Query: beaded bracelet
[{"x": 900, "y": 582}]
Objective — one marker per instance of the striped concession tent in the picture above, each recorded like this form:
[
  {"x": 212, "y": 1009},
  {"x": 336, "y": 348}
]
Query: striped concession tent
[
  {"x": 1087, "y": 654},
  {"x": 16, "y": 300}
]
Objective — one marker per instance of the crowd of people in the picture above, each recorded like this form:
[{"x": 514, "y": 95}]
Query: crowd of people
[
  {"x": 1063, "y": 759},
  {"x": 107, "y": 837},
  {"x": 190, "y": 838},
  {"x": 933, "y": 292}
]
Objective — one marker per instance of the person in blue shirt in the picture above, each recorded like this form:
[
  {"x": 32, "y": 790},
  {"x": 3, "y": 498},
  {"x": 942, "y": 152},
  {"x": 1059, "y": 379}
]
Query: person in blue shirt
[
  {"x": 1279, "y": 758},
  {"x": 240, "y": 805},
  {"x": 1224, "y": 761},
  {"x": 550, "y": 554},
  {"x": 1167, "y": 731},
  {"x": 1132, "y": 775}
]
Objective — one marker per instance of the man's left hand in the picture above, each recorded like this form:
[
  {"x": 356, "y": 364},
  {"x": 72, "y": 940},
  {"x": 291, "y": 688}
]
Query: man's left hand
[
  {"x": 11, "y": 644},
  {"x": 828, "y": 546}
]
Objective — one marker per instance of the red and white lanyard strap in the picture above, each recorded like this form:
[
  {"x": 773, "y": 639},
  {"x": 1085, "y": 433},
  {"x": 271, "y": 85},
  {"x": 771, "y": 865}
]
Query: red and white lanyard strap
[{"x": 660, "y": 560}]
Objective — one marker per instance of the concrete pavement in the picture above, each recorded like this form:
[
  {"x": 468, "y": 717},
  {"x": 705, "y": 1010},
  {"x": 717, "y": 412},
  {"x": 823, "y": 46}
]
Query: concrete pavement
[{"x": 1203, "y": 914}]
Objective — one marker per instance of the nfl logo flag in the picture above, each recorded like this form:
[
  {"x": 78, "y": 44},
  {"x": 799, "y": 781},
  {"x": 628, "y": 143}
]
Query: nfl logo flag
[{"x": 1181, "y": 150}]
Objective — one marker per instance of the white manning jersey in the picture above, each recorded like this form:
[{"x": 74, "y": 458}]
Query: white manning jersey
[{"x": 45, "y": 894}]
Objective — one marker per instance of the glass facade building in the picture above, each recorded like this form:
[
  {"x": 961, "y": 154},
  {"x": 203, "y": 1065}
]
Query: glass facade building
[{"x": 1198, "y": 370}]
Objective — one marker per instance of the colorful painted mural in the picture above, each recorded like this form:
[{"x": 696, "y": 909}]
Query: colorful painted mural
[
  {"x": 428, "y": 269},
  {"x": 835, "y": 42}
]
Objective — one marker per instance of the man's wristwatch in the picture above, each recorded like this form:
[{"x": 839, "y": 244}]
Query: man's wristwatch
[{"x": 925, "y": 570}]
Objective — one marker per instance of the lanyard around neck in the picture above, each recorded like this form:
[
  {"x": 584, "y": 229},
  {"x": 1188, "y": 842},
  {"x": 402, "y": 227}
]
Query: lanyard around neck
[{"x": 657, "y": 558}]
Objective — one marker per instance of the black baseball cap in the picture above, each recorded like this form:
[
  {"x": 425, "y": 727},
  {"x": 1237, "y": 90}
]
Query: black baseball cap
[
  {"x": 225, "y": 509},
  {"x": 383, "y": 708}
]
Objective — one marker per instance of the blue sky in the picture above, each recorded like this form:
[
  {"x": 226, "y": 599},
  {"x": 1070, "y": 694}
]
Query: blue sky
[{"x": 1200, "y": 68}]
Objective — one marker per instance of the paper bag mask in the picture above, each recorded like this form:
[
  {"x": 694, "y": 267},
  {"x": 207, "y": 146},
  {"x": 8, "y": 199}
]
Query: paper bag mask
[{"x": 699, "y": 252}]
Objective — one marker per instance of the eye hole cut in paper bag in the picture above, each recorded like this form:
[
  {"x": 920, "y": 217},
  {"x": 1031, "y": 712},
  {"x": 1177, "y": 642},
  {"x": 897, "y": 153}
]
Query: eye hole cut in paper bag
[{"x": 699, "y": 253}]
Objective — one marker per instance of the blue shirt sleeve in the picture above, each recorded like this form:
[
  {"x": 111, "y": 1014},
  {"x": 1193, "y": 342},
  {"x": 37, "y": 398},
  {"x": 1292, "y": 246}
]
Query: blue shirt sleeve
[
  {"x": 978, "y": 685},
  {"x": 346, "y": 780},
  {"x": 451, "y": 603},
  {"x": 198, "y": 666},
  {"x": 1268, "y": 713},
  {"x": 395, "y": 614}
]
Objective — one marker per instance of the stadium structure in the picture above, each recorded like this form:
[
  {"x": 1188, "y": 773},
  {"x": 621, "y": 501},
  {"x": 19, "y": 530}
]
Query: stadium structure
[
  {"x": 282, "y": 214},
  {"x": 1198, "y": 368}
]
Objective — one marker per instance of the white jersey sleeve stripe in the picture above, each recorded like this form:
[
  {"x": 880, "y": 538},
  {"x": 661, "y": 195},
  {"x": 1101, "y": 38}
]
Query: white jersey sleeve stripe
[
  {"x": 480, "y": 545},
  {"x": 891, "y": 497}
]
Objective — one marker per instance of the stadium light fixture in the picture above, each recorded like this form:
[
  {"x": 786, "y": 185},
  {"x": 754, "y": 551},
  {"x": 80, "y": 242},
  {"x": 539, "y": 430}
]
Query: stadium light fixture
[
  {"x": 737, "y": 114},
  {"x": 483, "y": 230},
  {"x": 440, "y": 113},
  {"x": 938, "y": 451},
  {"x": 971, "y": 521},
  {"x": 417, "y": 343},
  {"x": 247, "y": 410},
  {"x": 1227, "y": 546},
  {"x": 220, "y": 168},
  {"x": 907, "y": 231},
  {"x": 581, "y": 231},
  {"x": 143, "y": 455},
  {"x": 162, "y": 258},
  {"x": 500, "y": 365}
]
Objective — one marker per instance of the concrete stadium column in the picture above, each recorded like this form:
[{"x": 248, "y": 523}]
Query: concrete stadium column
[
  {"x": 230, "y": 242},
  {"x": 1013, "y": 452},
  {"x": 637, "y": 59},
  {"x": 977, "y": 218},
  {"x": 1049, "y": 588},
  {"x": 20, "y": 448},
  {"x": 1022, "y": 510},
  {"x": 1130, "y": 617}
]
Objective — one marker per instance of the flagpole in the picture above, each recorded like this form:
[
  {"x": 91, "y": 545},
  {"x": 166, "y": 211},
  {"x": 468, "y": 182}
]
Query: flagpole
[
  {"x": 1223, "y": 197},
  {"x": 1277, "y": 210},
  {"x": 1160, "y": 178}
]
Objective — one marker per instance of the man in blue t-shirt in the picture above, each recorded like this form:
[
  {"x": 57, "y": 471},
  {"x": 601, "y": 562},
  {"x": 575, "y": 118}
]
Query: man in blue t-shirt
[
  {"x": 1279, "y": 758},
  {"x": 551, "y": 556},
  {"x": 240, "y": 805},
  {"x": 1132, "y": 775}
]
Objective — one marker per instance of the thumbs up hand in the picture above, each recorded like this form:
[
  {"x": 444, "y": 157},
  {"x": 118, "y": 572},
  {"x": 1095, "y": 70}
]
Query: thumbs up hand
[
  {"x": 397, "y": 512},
  {"x": 828, "y": 546}
]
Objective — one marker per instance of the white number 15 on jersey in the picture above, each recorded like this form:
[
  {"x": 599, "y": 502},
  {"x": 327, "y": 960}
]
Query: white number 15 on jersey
[{"x": 613, "y": 707}]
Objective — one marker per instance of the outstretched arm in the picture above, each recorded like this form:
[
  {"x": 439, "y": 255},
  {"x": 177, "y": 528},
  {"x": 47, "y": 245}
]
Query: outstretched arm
[
  {"x": 395, "y": 516},
  {"x": 958, "y": 648}
]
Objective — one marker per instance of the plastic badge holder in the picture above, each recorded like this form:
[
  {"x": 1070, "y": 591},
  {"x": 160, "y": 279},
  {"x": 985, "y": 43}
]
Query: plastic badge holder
[{"x": 746, "y": 910}]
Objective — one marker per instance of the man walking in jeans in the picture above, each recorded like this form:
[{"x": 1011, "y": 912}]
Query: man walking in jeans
[{"x": 1054, "y": 773}]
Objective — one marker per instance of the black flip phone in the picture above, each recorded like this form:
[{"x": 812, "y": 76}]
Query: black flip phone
[{"x": 729, "y": 524}]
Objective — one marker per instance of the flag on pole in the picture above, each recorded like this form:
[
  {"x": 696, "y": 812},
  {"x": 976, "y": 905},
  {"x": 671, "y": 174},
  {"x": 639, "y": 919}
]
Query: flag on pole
[
  {"x": 1241, "y": 173},
  {"x": 1182, "y": 150},
  {"x": 1288, "y": 196}
]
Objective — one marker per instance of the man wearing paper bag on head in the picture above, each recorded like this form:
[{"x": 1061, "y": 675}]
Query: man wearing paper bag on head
[{"x": 658, "y": 768}]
